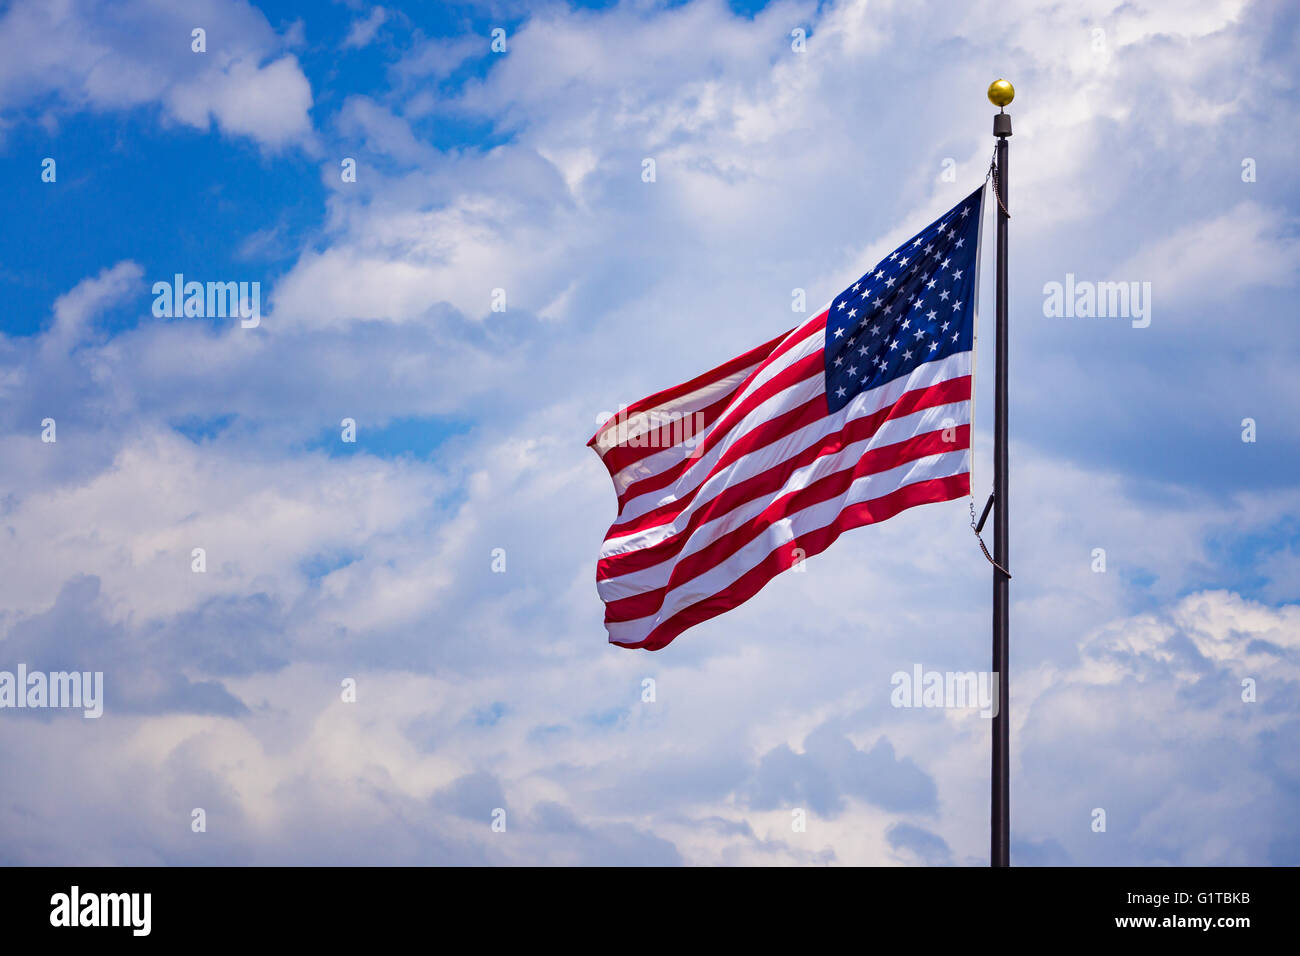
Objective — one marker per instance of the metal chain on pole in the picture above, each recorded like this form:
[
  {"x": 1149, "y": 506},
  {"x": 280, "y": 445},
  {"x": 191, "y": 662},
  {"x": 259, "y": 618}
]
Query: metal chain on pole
[
  {"x": 981, "y": 541},
  {"x": 997, "y": 190}
]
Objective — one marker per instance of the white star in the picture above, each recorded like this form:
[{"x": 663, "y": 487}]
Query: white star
[
  {"x": 840, "y": 392},
  {"x": 965, "y": 211},
  {"x": 838, "y": 333},
  {"x": 944, "y": 295},
  {"x": 857, "y": 286},
  {"x": 954, "y": 336},
  {"x": 866, "y": 293},
  {"x": 933, "y": 346},
  {"x": 907, "y": 324},
  {"x": 928, "y": 248},
  {"x": 878, "y": 302},
  {"x": 944, "y": 264},
  {"x": 907, "y": 355},
  {"x": 890, "y": 282},
  {"x": 956, "y": 305},
  {"x": 918, "y": 242},
  {"x": 944, "y": 327},
  {"x": 880, "y": 274},
  {"x": 853, "y": 370},
  {"x": 930, "y": 284},
  {"x": 862, "y": 350},
  {"x": 852, "y": 313},
  {"x": 931, "y": 315},
  {"x": 889, "y": 308},
  {"x": 893, "y": 256},
  {"x": 893, "y": 345},
  {"x": 960, "y": 243},
  {"x": 903, "y": 261},
  {"x": 842, "y": 305},
  {"x": 918, "y": 305},
  {"x": 839, "y": 360},
  {"x": 956, "y": 275},
  {"x": 919, "y": 333}
]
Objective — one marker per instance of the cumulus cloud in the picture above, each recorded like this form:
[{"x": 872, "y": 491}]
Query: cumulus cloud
[
  {"x": 83, "y": 55},
  {"x": 1196, "y": 699},
  {"x": 831, "y": 766},
  {"x": 268, "y": 103},
  {"x": 478, "y": 690}
]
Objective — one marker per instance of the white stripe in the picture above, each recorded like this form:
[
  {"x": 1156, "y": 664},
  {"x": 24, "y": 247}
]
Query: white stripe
[
  {"x": 814, "y": 342},
  {"x": 784, "y": 531},
  {"x": 847, "y": 458},
  {"x": 619, "y": 431},
  {"x": 732, "y": 431},
  {"x": 662, "y": 461},
  {"x": 865, "y": 403}
]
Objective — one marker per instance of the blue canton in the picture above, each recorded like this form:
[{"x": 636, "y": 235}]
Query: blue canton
[{"x": 916, "y": 305}]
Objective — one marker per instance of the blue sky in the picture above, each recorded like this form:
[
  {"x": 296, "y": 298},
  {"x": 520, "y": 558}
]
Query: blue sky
[{"x": 521, "y": 171}]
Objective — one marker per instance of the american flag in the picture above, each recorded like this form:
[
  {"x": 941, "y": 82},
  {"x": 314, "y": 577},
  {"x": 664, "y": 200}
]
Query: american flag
[{"x": 862, "y": 411}]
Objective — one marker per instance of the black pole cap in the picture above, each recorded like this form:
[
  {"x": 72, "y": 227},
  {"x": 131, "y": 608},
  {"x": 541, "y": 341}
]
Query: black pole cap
[{"x": 1001, "y": 124}]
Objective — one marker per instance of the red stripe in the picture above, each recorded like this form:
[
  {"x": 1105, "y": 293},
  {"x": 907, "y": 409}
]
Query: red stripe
[
  {"x": 799, "y": 335},
  {"x": 941, "y": 393},
  {"x": 655, "y": 440},
  {"x": 752, "y": 357},
  {"x": 620, "y": 456},
  {"x": 812, "y": 542},
  {"x": 823, "y": 489},
  {"x": 814, "y": 325},
  {"x": 809, "y": 366}
]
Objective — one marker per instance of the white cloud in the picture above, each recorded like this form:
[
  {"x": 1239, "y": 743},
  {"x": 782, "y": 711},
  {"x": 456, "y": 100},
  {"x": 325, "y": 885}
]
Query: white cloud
[
  {"x": 1216, "y": 259},
  {"x": 124, "y": 55},
  {"x": 776, "y": 170},
  {"x": 1188, "y": 771},
  {"x": 74, "y": 310},
  {"x": 363, "y": 29},
  {"x": 266, "y": 103}
]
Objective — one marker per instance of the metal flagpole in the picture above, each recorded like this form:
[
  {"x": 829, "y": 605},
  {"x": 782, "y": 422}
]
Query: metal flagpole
[{"x": 1001, "y": 94}]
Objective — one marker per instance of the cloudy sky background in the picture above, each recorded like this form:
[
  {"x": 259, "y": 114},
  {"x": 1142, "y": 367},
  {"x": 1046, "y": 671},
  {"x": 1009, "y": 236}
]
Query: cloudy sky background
[{"x": 521, "y": 171}]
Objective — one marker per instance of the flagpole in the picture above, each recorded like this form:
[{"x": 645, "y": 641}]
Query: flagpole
[{"x": 1000, "y": 94}]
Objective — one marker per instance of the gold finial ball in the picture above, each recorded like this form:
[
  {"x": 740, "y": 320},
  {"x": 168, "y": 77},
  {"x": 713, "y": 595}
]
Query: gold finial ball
[{"x": 1001, "y": 93}]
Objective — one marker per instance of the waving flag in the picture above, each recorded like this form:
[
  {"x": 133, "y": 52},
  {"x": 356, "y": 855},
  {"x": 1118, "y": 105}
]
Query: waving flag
[{"x": 859, "y": 413}]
